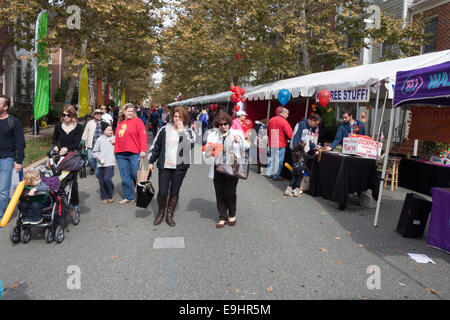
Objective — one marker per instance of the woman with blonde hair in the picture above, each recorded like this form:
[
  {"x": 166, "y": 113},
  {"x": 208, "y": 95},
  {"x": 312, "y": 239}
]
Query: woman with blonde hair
[
  {"x": 172, "y": 148},
  {"x": 66, "y": 138},
  {"x": 130, "y": 146}
]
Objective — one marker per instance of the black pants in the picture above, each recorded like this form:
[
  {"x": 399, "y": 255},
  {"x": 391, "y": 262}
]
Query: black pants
[
  {"x": 170, "y": 179},
  {"x": 105, "y": 175},
  {"x": 154, "y": 128},
  {"x": 225, "y": 187},
  {"x": 296, "y": 181}
]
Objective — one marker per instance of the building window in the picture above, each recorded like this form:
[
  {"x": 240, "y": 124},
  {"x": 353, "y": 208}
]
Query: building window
[
  {"x": 430, "y": 31},
  {"x": 386, "y": 48}
]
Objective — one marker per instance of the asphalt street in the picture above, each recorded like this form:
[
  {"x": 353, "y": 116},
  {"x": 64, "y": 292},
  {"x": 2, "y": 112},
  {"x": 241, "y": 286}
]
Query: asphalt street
[{"x": 280, "y": 248}]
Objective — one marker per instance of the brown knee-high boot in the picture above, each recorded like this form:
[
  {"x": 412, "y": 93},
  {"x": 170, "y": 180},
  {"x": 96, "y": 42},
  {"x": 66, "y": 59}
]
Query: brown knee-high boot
[
  {"x": 162, "y": 203},
  {"x": 173, "y": 200}
]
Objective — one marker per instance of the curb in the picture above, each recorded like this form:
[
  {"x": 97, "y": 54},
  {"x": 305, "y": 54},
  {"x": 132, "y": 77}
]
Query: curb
[{"x": 35, "y": 164}]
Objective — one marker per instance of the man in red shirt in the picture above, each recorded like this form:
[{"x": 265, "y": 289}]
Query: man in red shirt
[{"x": 279, "y": 132}]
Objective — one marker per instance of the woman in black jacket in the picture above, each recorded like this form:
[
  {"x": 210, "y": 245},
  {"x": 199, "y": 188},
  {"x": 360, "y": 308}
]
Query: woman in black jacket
[
  {"x": 67, "y": 138},
  {"x": 172, "y": 148}
]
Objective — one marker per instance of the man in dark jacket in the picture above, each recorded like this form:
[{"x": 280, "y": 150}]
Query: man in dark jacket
[
  {"x": 303, "y": 132},
  {"x": 12, "y": 146},
  {"x": 350, "y": 126},
  {"x": 154, "y": 121}
]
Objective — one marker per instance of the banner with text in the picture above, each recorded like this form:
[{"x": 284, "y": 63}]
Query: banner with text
[
  {"x": 348, "y": 95},
  {"x": 430, "y": 124}
]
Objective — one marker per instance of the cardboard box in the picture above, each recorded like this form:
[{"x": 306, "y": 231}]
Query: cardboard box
[{"x": 366, "y": 148}]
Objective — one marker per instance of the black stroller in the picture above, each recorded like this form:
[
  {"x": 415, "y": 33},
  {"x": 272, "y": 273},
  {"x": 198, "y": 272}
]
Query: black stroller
[{"x": 59, "y": 212}]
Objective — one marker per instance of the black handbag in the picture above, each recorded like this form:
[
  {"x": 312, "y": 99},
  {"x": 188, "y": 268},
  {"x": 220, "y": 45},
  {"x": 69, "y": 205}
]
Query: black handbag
[{"x": 144, "y": 192}]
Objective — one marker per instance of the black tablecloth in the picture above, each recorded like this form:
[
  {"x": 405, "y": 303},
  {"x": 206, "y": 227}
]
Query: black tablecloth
[
  {"x": 421, "y": 177},
  {"x": 336, "y": 176}
]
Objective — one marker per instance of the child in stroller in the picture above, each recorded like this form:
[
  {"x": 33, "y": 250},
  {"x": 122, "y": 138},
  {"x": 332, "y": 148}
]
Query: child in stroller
[{"x": 50, "y": 215}]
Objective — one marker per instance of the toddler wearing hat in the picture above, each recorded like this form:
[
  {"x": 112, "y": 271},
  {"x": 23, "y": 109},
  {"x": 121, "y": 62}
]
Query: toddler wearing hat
[{"x": 104, "y": 153}]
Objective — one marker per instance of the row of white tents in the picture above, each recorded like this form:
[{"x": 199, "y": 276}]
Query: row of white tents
[{"x": 370, "y": 75}]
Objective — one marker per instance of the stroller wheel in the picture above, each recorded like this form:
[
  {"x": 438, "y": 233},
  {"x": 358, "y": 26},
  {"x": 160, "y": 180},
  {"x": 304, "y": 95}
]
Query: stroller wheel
[
  {"x": 15, "y": 235},
  {"x": 26, "y": 235},
  {"x": 49, "y": 236},
  {"x": 75, "y": 217},
  {"x": 59, "y": 234}
]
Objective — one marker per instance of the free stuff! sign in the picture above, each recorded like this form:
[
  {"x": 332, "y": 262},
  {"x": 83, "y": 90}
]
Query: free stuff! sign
[{"x": 348, "y": 95}]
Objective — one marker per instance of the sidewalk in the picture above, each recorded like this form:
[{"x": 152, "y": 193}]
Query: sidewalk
[{"x": 47, "y": 132}]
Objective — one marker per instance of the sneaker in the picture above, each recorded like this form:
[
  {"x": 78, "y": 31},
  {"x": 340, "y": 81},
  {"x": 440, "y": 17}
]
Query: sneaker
[
  {"x": 39, "y": 220},
  {"x": 26, "y": 220}
]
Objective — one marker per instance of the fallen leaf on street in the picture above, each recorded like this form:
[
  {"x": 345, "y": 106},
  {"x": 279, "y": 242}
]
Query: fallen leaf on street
[
  {"x": 402, "y": 284},
  {"x": 323, "y": 250},
  {"x": 297, "y": 226},
  {"x": 429, "y": 290},
  {"x": 269, "y": 289},
  {"x": 338, "y": 238},
  {"x": 361, "y": 245},
  {"x": 254, "y": 203},
  {"x": 273, "y": 200},
  {"x": 349, "y": 233},
  {"x": 318, "y": 207},
  {"x": 336, "y": 261},
  {"x": 237, "y": 290},
  {"x": 365, "y": 298},
  {"x": 114, "y": 257},
  {"x": 226, "y": 291},
  {"x": 15, "y": 285},
  {"x": 110, "y": 230},
  {"x": 270, "y": 236},
  {"x": 325, "y": 213}
]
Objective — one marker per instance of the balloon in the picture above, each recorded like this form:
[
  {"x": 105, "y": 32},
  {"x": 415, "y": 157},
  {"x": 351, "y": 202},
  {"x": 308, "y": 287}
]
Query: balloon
[
  {"x": 236, "y": 108},
  {"x": 238, "y": 56},
  {"x": 324, "y": 97},
  {"x": 242, "y": 91},
  {"x": 284, "y": 96},
  {"x": 232, "y": 88},
  {"x": 211, "y": 107},
  {"x": 248, "y": 124},
  {"x": 243, "y": 99},
  {"x": 234, "y": 98}
]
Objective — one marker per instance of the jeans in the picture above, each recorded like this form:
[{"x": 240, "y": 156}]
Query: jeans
[
  {"x": 105, "y": 175},
  {"x": 169, "y": 180},
  {"x": 128, "y": 167},
  {"x": 6, "y": 167},
  {"x": 275, "y": 163},
  {"x": 92, "y": 161},
  {"x": 35, "y": 207}
]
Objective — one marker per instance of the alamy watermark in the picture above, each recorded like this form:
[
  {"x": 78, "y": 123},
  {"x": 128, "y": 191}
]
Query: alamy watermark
[
  {"x": 74, "y": 21},
  {"x": 374, "y": 281},
  {"x": 74, "y": 280}
]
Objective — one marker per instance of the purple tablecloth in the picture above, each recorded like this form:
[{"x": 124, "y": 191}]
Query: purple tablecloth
[{"x": 439, "y": 227}]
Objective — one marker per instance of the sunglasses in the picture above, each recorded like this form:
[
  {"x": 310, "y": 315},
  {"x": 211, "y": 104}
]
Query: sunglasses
[
  {"x": 66, "y": 115},
  {"x": 222, "y": 124}
]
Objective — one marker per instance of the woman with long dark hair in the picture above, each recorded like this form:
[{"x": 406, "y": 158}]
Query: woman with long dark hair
[{"x": 172, "y": 148}]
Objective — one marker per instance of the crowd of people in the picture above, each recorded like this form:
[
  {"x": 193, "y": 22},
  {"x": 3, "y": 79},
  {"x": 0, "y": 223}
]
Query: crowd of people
[{"x": 120, "y": 137}]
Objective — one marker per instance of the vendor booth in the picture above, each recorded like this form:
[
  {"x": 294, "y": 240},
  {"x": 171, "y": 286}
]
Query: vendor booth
[{"x": 424, "y": 87}]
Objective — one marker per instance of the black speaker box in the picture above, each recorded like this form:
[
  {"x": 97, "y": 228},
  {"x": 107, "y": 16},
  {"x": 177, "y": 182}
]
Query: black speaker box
[{"x": 414, "y": 216}]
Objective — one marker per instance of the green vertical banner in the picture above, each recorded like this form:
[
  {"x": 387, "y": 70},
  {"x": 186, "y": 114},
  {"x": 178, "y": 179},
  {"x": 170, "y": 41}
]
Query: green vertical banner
[{"x": 42, "y": 88}]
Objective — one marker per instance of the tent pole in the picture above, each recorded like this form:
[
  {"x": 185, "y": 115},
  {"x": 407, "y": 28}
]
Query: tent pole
[
  {"x": 268, "y": 109},
  {"x": 382, "y": 115},
  {"x": 307, "y": 105},
  {"x": 374, "y": 122},
  {"x": 385, "y": 162}
]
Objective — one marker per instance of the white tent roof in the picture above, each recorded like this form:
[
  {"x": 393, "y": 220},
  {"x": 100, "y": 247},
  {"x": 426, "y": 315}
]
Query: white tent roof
[{"x": 348, "y": 78}]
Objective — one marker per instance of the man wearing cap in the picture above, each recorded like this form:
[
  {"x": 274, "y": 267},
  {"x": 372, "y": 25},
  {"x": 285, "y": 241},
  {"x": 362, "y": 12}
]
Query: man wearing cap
[
  {"x": 237, "y": 123},
  {"x": 279, "y": 131},
  {"x": 91, "y": 133}
]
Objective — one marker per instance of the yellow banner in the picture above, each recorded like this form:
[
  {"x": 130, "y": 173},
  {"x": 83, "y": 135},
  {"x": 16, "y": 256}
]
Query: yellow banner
[
  {"x": 83, "y": 100},
  {"x": 123, "y": 98}
]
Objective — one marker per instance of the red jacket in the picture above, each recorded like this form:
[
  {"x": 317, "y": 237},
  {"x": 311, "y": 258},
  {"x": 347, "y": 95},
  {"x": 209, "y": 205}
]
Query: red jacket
[
  {"x": 131, "y": 136},
  {"x": 279, "y": 131}
]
